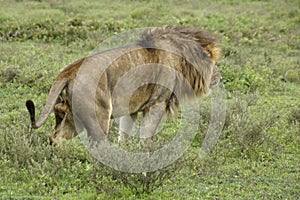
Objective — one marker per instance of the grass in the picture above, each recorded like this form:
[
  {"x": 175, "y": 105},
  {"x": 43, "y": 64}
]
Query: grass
[{"x": 257, "y": 156}]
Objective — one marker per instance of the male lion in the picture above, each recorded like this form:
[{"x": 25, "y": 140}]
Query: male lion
[{"x": 152, "y": 76}]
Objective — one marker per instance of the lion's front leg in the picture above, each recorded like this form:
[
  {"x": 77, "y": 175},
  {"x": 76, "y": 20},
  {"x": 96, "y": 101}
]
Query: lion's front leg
[
  {"x": 150, "y": 122},
  {"x": 97, "y": 120}
]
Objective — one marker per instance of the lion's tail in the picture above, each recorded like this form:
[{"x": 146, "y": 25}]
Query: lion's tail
[{"x": 55, "y": 90}]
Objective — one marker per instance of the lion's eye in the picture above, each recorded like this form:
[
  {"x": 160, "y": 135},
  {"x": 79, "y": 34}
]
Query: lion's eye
[{"x": 62, "y": 100}]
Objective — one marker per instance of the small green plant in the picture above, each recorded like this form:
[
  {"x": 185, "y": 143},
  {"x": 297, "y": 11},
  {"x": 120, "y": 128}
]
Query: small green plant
[
  {"x": 147, "y": 182},
  {"x": 246, "y": 127}
]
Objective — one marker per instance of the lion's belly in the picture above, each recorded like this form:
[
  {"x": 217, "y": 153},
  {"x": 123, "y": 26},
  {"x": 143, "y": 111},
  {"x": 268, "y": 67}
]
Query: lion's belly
[{"x": 131, "y": 101}]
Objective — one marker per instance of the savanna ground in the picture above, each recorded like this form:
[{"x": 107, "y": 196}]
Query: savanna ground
[{"x": 257, "y": 155}]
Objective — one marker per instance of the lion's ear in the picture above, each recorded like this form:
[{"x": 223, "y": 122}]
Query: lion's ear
[{"x": 214, "y": 51}]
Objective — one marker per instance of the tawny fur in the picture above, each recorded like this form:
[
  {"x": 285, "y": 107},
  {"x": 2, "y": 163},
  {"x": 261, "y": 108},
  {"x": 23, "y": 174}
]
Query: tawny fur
[{"x": 191, "y": 52}]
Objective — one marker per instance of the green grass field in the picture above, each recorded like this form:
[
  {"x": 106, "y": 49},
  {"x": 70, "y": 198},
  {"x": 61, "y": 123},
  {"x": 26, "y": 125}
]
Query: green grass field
[{"x": 257, "y": 155}]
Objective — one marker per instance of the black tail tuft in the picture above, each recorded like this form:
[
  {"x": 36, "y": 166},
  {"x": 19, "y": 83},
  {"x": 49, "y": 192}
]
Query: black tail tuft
[{"x": 31, "y": 110}]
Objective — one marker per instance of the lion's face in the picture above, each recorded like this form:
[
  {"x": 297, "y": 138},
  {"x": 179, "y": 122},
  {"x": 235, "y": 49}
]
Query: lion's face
[{"x": 65, "y": 127}]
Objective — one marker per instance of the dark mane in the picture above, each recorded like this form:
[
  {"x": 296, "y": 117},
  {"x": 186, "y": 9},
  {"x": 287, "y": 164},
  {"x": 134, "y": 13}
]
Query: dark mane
[
  {"x": 180, "y": 39},
  {"x": 149, "y": 36}
]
